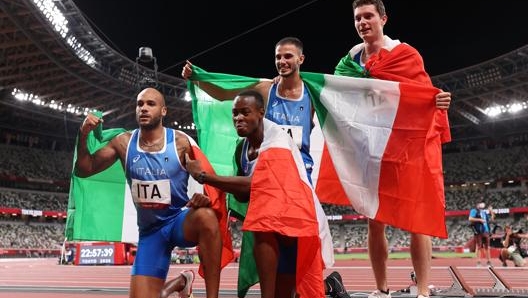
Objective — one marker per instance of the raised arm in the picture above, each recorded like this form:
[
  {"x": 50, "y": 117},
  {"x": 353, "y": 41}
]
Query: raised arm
[
  {"x": 508, "y": 233},
  {"x": 491, "y": 213},
  {"x": 89, "y": 164},
  {"x": 220, "y": 93}
]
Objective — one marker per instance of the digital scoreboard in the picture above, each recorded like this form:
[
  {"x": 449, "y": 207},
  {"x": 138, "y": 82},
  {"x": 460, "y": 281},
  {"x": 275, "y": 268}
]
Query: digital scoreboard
[
  {"x": 96, "y": 254},
  {"x": 103, "y": 253}
]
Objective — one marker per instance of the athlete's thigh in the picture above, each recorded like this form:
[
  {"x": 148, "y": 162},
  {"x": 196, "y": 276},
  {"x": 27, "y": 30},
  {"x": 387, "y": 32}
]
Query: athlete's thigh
[
  {"x": 176, "y": 232},
  {"x": 486, "y": 239},
  {"x": 153, "y": 255}
]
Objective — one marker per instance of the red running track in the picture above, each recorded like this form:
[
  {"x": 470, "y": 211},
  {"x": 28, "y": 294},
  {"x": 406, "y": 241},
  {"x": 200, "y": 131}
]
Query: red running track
[{"x": 44, "y": 278}]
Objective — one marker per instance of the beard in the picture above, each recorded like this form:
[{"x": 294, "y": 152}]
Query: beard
[
  {"x": 153, "y": 123},
  {"x": 292, "y": 70}
]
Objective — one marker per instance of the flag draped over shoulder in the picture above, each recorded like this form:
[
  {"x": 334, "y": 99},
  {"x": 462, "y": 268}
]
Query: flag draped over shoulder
[
  {"x": 398, "y": 62},
  {"x": 384, "y": 150},
  {"x": 369, "y": 177},
  {"x": 208, "y": 136},
  {"x": 101, "y": 208},
  {"x": 283, "y": 201},
  {"x": 217, "y": 138},
  {"x": 219, "y": 205}
]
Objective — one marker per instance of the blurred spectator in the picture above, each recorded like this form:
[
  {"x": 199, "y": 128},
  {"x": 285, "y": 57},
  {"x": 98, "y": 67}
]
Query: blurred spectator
[
  {"x": 479, "y": 219},
  {"x": 26, "y": 160},
  {"x": 513, "y": 249}
]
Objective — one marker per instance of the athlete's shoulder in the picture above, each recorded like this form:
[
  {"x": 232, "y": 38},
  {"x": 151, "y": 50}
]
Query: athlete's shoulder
[
  {"x": 179, "y": 134},
  {"x": 183, "y": 139},
  {"x": 123, "y": 137},
  {"x": 263, "y": 87}
]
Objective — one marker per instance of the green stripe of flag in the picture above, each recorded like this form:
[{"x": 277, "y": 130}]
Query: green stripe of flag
[{"x": 97, "y": 206}]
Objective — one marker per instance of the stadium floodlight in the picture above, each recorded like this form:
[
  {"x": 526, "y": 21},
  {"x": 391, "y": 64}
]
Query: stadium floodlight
[
  {"x": 52, "y": 104},
  {"x": 495, "y": 111},
  {"x": 514, "y": 108},
  {"x": 54, "y": 16},
  {"x": 59, "y": 23}
]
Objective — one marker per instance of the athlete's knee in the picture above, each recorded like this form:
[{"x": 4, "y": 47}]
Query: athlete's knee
[
  {"x": 206, "y": 219},
  {"x": 206, "y": 214}
]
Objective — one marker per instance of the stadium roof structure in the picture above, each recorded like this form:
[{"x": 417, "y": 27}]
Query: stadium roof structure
[
  {"x": 67, "y": 68},
  {"x": 489, "y": 99}
]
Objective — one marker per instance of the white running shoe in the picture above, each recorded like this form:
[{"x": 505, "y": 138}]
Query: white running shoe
[
  {"x": 189, "y": 279},
  {"x": 379, "y": 294}
]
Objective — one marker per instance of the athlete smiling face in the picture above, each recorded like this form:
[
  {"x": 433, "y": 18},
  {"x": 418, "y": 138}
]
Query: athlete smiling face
[
  {"x": 248, "y": 113},
  {"x": 288, "y": 59}
]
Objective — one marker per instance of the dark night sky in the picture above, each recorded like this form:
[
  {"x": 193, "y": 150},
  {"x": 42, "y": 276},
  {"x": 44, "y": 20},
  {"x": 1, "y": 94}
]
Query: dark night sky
[{"x": 238, "y": 37}]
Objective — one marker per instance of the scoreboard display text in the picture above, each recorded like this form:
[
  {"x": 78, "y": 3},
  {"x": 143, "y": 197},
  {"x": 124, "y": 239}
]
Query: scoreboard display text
[{"x": 96, "y": 254}]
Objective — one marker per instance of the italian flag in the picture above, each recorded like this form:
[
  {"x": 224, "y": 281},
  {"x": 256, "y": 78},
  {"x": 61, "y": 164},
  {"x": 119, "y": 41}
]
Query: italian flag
[
  {"x": 100, "y": 207},
  {"x": 218, "y": 138},
  {"x": 381, "y": 151},
  {"x": 377, "y": 146},
  {"x": 283, "y": 201}
]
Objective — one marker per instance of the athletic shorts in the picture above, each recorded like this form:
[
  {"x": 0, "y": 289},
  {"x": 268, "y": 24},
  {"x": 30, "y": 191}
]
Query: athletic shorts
[
  {"x": 154, "y": 250},
  {"x": 517, "y": 259}
]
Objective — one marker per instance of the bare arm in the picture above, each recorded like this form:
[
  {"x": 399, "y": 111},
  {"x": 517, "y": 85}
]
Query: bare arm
[
  {"x": 220, "y": 93},
  {"x": 506, "y": 241},
  {"x": 476, "y": 219},
  {"x": 524, "y": 235},
  {"x": 239, "y": 186},
  {"x": 89, "y": 164},
  {"x": 491, "y": 213}
]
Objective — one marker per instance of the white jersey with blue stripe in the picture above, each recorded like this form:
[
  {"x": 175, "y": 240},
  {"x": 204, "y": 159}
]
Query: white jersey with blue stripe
[{"x": 157, "y": 180}]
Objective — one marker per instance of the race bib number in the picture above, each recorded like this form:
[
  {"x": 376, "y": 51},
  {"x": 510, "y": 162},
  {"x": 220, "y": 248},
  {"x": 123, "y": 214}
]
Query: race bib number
[
  {"x": 295, "y": 132},
  {"x": 151, "y": 194}
]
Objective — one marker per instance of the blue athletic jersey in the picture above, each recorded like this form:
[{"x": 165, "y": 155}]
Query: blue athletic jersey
[
  {"x": 357, "y": 59},
  {"x": 246, "y": 164},
  {"x": 481, "y": 213},
  {"x": 295, "y": 117},
  {"x": 158, "y": 182}
]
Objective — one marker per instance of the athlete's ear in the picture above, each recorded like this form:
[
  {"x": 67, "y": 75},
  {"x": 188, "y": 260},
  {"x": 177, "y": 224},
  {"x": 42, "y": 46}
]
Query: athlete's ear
[
  {"x": 384, "y": 20},
  {"x": 301, "y": 59}
]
